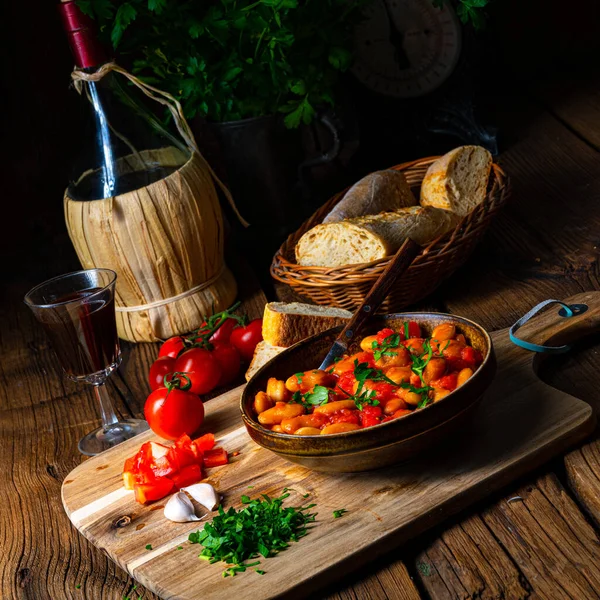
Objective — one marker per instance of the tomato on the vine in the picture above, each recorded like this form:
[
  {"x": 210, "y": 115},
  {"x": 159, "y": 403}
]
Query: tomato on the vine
[
  {"x": 246, "y": 338},
  {"x": 172, "y": 347},
  {"x": 162, "y": 366},
  {"x": 174, "y": 410},
  {"x": 229, "y": 360},
  {"x": 223, "y": 334},
  {"x": 202, "y": 368}
]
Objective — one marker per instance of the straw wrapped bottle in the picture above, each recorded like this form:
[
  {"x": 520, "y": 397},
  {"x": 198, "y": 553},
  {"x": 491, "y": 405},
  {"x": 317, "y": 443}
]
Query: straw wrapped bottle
[{"x": 144, "y": 203}]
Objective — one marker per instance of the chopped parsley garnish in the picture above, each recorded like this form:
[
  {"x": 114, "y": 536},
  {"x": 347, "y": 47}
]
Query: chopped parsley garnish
[
  {"x": 362, "y": 372},
  {"x": 262, "y": 528},
  {"x": 420, "y": 362},
  {"x": 179, "y": 547},
  {"x": 406, "y": 334},
  {"x": 148, "y": 546},
  {"x": 338, "y": 513},
  {"x": 299, "y": 377},
  {"x": 78, "y": 586},
  {"x": 383, "y": 348},
  {"x": 318, "y": 397}
]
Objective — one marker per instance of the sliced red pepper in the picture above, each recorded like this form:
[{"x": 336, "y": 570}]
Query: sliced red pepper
[
  {"x": 205, "y": 442},
  {"x": 385, "y": 333},
  {"x": 187, "y": 476},
  {"x": 149, "y": 492},
  {"x": 447, "y": 382},
  {"x": 414, "y": 331},
  {"x": 215, "y": 457},
  {"x": 129, "y": 473}
]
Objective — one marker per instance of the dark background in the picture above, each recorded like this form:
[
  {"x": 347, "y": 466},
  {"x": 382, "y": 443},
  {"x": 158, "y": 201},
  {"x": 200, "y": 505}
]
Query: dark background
[{"x": 525, "y": 44}]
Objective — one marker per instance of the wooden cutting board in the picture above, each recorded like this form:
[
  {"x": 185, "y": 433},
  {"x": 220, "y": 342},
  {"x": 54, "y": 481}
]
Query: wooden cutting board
[{"x": 520, "y": 424}]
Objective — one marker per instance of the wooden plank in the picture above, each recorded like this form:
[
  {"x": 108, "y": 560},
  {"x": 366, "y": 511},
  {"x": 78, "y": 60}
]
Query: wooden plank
[
  {"x": 549, "y": 540},
  {"x": 575, "y": 100},
  {"x": 415, "y": 497},
  {"x": 467, "y": 561}
]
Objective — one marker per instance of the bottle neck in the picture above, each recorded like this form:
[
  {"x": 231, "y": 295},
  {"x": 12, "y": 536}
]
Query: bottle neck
[{"x": 81, "y": 33}]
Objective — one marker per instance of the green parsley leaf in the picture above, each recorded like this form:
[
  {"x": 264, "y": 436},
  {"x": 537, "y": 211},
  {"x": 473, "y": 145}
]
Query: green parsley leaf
[
  {"x": 179, "y": 547},
  {"x": 383, "y": 349},
  {"x": 318, "y": 397},
  {"x": 262, "y": 528},
  {"x": 259, "y": 571},
  {"x": 338, "y": 513},
  {"x": 78, "y": 586},
  {"x": 245, "y": 500},
  {"x": 148, "y": 546},
  {"x": 299, "y": 377}
]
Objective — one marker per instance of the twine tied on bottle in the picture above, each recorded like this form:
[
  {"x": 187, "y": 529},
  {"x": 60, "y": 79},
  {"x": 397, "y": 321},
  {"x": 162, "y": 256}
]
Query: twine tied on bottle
[{"x": 174, "y": 107}]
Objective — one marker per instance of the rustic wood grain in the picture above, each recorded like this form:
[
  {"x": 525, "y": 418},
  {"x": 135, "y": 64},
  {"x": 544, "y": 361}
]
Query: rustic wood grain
[
  {"x": 466, "y": 561},
  {"x": 417, "y": 495},
  {"x": 550, "y": 541}
]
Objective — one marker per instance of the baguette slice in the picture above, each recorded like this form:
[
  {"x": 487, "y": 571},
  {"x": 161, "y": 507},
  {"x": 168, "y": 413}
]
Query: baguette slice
[
  {"x": 373, "y": 237},
  {"x": 378, "y": 192},
  {"x": 285, "y": 324},
  {"x": 263, "y": 353},
  {"x": 458, "y": 180}
]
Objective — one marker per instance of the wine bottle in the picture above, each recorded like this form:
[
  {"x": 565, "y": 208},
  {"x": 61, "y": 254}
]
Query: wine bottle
[{"x": 125, "y": 146}]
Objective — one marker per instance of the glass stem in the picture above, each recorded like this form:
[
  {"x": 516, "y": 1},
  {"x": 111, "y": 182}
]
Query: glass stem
[{"x": 107, "y": 411}]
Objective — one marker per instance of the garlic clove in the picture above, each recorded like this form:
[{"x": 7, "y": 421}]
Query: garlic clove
[
  {"x": 180, "y": 509},
  {"x": 204, "y": 494}
]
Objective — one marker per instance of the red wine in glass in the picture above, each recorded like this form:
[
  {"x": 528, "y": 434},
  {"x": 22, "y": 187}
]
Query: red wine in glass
[{"x": 77, "y": 311}]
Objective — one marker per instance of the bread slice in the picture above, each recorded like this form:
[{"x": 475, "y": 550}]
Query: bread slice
[
  {"x": 285, "y": 324},
  {"x": 378, "y": 192},
  {"x": 263, "y": 353},
  {"x": 458, "y": 180},
  {"x": 373, "y": 237}
]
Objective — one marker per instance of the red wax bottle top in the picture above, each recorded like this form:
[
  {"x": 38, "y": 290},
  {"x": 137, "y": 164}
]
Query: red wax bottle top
[{"x": 81, "y": 32}]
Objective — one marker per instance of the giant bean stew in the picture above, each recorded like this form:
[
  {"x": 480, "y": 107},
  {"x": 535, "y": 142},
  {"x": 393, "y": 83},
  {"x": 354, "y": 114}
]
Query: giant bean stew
[{"x": 396, "y": 373}]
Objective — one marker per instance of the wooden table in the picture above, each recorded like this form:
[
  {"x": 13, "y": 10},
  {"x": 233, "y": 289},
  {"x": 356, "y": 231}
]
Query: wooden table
[{"x": 538, "y": 538}]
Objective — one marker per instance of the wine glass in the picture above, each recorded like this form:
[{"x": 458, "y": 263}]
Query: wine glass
[{"x": 77, "y": 311}]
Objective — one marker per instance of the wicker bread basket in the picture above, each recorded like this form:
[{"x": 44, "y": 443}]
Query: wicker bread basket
[{"x": 347, "y": 286}]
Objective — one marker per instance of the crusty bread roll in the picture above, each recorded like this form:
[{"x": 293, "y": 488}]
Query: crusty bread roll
[
  {"x": 285, "y": 324},
  {"x": 458, "y": 180},
  {"x": 373, "y": 237},
  {"x": 263, "y": 353},
  {"x": 378, "y": 192}
]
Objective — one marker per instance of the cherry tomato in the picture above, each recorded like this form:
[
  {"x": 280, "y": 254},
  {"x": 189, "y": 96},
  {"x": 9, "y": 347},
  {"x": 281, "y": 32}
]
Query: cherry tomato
[
  {"x": 223, "y": 334},
  {"x": 345, "y": 415},
  {"x": 370, "y": 415},
  {"x": 246, "y": 338},
  {"x": 171, "y": 413},
  {"x": 229, "y": 360},
  {"x": 471, "y": 357},
  {"x": 345, "y": 384},
  {"x": 162, "y": 366},
  {"x": 201, "y": 367},
  {"x": 172, "y": 347}
]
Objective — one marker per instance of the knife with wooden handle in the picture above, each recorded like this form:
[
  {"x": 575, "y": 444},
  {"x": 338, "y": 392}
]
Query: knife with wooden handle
[{"x": 398, "y": 265}]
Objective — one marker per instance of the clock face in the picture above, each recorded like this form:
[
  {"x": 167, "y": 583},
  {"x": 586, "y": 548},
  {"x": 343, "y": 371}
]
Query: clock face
[{"x": 406, "y": 48}]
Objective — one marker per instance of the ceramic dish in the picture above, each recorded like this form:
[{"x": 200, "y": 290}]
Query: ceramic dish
[{"x": 384, "y": 444}]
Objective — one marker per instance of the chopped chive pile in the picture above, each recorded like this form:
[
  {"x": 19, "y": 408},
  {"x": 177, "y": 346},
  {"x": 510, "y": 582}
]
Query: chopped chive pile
[{"x": 263, "y": 527}]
